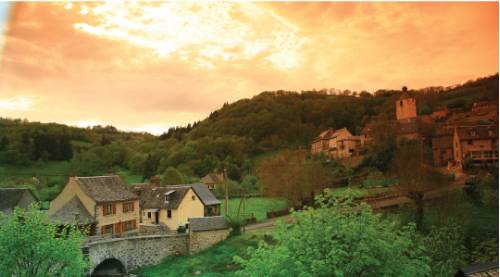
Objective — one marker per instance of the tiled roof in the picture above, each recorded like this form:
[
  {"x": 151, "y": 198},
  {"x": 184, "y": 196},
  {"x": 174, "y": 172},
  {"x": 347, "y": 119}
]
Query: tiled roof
[
  {"x": 154, "y": 198},
  {"x": 479, "y": 270},
  {"x": 442, "y": 142},
  {"x": 9, "y": 197},
  {"x": 407, "y": 127},
  {"x": 208, "y": 223},
  {"x": 211, "y": 178},
  {"x": 105, "y": 188},
  {"x": 72, "y": 212},
  {"x": 205, "y": 195}
]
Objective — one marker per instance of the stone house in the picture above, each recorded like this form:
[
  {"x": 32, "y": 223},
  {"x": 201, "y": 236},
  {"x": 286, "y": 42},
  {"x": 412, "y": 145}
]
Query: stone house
[
  {"x": 211, "y": 180},
  {"x": 102, "y": 202},
  {"x": 206, "y": 231},
  {"x": 343, "y": 144},
  {"x": 339, "y": 144},
  {"x": 442, "y": 146},
  {"x": 477, "y": 145},
  {"x": 320, "y": 143},
  {"x": 15, "y": 197},
  {"x": 172, "y": 206}
]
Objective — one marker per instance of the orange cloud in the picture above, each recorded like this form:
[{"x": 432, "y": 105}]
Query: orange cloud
[{"x": 152, "y": 65}]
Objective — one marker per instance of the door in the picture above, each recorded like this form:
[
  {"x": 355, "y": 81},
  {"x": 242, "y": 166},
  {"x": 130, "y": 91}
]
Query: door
[{"x": 156, "y": 217}]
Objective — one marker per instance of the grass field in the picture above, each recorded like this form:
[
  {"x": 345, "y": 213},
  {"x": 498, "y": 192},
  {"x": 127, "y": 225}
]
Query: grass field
[
  {"x": 47, "y": 169},
  {"x": 259, "y": 206},
  {"x": 214, "y": 262}
]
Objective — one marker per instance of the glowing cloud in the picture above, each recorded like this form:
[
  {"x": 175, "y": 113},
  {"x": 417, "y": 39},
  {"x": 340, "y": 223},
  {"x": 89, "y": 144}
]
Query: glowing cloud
[
  {"x": 16, "y": 103},
  {"x": 205, "y": 31}
]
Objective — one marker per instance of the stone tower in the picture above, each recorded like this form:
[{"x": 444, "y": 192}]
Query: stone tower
[{"x": 406, "y": 107}]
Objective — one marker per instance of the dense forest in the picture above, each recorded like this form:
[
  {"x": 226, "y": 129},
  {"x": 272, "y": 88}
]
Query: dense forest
[{"x": 233, "y": 137}]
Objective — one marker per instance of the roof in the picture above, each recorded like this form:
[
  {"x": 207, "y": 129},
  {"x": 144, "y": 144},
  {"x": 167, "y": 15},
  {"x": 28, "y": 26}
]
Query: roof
[
  {"x": 479, "y": 270},
  {"x": 410, "y": 127},
  {"x": 442, "y": 142},
  {"x": 477, "y": 132},
  {"x": 105, "y": 188},
  {"x": 9, "y": 197},
  {"x": 72, "y": 212},
  {"x": 155, "y": 197},
  {"x": 343, "y": 130},
  {"x": 205, "y": 195},
  {"x": 211, "y": 178},
  {"x": 210, "y": 223},
  {"x": 325, "y": 134}
]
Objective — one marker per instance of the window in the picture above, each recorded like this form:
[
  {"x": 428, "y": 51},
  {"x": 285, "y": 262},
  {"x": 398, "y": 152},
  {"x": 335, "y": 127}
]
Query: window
[
  {"x": 169, "y": 213},
  {"x": 107, "y": 229},
  {"x": 108, "y": 209},
  {"x": 129, "y": 225},
  {"x": 470, "y": 142},
  {"x": 149, "y": 214},
  {"x": 128, "y": 207},
  {"x": 193, "y": 197}
]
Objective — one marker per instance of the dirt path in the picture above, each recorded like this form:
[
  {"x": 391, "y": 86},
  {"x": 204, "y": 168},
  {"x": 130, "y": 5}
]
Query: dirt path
[{"x": 268, "y": 223}]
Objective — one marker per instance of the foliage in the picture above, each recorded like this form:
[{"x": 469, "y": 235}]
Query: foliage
[
  {"x": 216, "y": 261},
  {"x": 338, "y": 239},
  {"x": 290, "y": 175},
  {"x": 171, "y": 176},
  {"x": 380, "y": 149},
  {"x": 32, "y": 246},
  {"x": 415, "y": 174},
  {"x": 447, "y": 251}
]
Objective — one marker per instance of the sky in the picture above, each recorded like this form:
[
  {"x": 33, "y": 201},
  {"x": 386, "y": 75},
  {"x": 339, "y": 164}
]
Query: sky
[{"x": 149, "y": 66}]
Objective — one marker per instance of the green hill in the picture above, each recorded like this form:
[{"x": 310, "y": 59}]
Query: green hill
[{"x": 233, "y": 137}]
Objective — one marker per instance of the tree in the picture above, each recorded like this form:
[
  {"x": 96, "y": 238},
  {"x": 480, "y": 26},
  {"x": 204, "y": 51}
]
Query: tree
[
  {"x": 338, "y": 238},
  {"x": 291, "y": 176},
  {"x": 150, "y": 166},
  {"x": 88, "y": 164},
  {"x": 171, "y": 176},
  {"x": 380, "y": 149},
  {"x": 30, "y": 245},
  {"x": 412, "y": 167}
]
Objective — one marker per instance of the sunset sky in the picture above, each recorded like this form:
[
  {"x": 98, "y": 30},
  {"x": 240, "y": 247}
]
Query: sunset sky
[{"x": 148, "y": 66}]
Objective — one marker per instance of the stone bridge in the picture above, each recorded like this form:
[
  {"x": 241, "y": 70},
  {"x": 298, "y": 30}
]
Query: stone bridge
[{"x": 118, "y": 256}]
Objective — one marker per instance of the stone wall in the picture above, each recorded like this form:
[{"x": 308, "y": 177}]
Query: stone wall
[
  {"x": 137, "y": 251},
  {"x": 202, "y": 240}
]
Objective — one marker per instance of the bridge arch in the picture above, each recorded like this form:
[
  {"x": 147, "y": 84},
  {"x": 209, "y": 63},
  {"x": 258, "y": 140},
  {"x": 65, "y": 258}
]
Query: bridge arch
[{"x": 109, "y": 267}]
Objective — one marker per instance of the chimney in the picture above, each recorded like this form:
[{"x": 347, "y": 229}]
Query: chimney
[{"x": 154, "y": 181}]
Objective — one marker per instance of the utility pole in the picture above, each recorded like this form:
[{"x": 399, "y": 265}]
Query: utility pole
[{"x": 227, "y": 193}]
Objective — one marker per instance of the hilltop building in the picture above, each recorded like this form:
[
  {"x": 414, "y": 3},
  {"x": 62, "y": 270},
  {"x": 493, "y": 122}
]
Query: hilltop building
[
  {"x": 339, "y": 144},
  {"x": 102, "y": 202},
  {"x": 476, "y": 145},
  {"x": 406, "y": 107},
  {"x": 11, "y": 198}
]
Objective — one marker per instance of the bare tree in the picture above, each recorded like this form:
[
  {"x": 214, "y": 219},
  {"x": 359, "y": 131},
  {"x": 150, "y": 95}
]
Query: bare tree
[
  {"x": 292, "y": 176},
  {"x": 411, "y": 166}
]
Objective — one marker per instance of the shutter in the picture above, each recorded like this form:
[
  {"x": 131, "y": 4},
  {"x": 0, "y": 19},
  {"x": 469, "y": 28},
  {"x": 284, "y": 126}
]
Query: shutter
[
  {"x": 103, "y": 230},
  {"x": 114, "y": 208},
  {"x": 104, "y": 209},
  {"x": 133, "y": 206},
  {"x": 134, "y": 226},
  {"x": 124, "y": 207}
]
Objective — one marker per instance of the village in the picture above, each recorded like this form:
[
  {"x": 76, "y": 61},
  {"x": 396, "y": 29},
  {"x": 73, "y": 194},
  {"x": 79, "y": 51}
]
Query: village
[
  {"x": 249, "y": 139},
  {"x": 112, "y": 211},
  {"x": 460, "y": 139}
]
